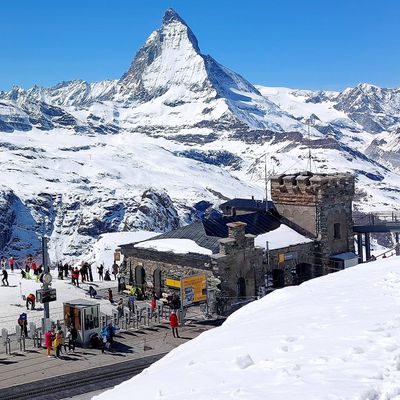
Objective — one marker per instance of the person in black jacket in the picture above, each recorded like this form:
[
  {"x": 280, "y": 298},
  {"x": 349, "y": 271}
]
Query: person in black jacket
[
  {"x": 72, "y": 336},
  {"x": 4, "y": 281}
]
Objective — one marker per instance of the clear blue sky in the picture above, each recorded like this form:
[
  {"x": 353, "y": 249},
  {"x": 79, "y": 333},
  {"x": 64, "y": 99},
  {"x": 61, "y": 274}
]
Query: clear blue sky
[{"x": 315, "y": 44}]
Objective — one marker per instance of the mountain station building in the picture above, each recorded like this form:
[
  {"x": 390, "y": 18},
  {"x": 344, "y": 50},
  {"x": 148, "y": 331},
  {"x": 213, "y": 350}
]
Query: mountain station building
[{"x": 256, "y": 246}]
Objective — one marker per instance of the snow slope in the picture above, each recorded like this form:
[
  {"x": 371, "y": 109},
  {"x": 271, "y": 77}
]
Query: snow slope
[{"x": 334, "y": 337}]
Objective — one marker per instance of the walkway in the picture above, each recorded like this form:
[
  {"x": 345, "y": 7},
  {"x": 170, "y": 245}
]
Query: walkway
[{"x": 133, "y": 346}]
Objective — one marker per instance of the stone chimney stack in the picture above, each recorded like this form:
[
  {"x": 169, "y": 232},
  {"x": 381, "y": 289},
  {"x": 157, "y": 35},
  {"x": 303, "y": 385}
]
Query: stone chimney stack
[{"x": 236, "y": 230}]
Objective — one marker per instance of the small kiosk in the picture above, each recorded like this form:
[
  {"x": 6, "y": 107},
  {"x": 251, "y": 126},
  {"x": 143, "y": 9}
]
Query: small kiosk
[{"x": 85, "y": 316}]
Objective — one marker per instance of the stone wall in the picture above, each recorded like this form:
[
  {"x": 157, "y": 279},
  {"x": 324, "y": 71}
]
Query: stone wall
[
  {"x": 304, "y": 253},
  {"x": 316, "y": 202}
]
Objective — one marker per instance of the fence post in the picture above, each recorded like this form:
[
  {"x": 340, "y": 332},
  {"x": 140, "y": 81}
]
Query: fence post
[{"x": 4, "y": 336}]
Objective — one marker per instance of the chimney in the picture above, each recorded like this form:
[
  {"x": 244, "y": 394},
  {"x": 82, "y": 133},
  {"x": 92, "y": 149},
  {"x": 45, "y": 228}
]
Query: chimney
[
  {"x": 233, "y": 212},
  {"x": 237, "y": 231}
]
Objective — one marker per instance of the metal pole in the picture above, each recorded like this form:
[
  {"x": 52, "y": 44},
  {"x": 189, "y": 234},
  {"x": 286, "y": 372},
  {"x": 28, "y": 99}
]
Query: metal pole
[
  {"x": 367, "y": 247},
  {"x": 46, "y": 268},
  {"x": 359, "y": 247}
]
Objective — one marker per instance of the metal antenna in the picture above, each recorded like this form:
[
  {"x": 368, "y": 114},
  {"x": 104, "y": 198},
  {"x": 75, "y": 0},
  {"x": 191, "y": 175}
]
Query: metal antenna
[
  {"x": 266, "y": 179},
  {"x": 309, "y": 161}
]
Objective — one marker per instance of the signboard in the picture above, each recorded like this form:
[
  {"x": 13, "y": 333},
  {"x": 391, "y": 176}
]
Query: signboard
[
  {"x": 173, "y": 283},
  {"x": 46, "y": 295},
  {"x": 282, "y": 257},
  {"x": 193, "y": 289}
]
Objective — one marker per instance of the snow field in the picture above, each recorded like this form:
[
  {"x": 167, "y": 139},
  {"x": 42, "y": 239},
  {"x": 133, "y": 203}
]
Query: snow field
[{"x": 334, "y": 337}]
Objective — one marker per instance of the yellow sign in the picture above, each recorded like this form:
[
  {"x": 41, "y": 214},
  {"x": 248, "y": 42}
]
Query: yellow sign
[
  {"x": 193, "y": 289},
  {"x": 281, "y": 258},
  {"x": 117, "y": 255},
  {"x": 173, "y": 283}
]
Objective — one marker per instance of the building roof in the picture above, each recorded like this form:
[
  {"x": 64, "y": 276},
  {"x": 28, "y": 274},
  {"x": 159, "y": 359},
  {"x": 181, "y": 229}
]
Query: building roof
[
  {"x": 344, "y": 256},
  {"x": 247, "y": 205},
  {"x": 208, "y": 232},
  {"x": 81, "y": 303}
]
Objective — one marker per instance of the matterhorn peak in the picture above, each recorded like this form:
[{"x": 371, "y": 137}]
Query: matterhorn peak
[{"x": 172, "y": 16}]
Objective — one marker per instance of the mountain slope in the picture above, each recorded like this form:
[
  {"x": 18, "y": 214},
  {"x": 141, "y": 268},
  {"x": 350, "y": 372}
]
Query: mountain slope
[{"x": 176, "y": 129}]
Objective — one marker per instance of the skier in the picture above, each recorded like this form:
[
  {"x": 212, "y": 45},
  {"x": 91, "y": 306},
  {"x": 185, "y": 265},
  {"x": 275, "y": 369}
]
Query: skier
[
  {"x": 3, "y": 263},
  {"x": 4, "y": 281}
]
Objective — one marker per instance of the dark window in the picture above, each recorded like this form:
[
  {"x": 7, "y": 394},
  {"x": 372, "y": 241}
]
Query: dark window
[{"x": 336, "y": 231}]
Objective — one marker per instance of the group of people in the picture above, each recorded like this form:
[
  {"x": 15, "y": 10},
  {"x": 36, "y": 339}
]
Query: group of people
[{"x": 56, "y": 340}]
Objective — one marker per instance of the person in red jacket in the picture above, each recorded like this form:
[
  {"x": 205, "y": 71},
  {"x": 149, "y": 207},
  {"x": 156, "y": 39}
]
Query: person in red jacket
[
  {"x": 11, "y": 263},
  {"x": 30, "y": 300},
  {"x": 153, "y": 305},
  {"x": 48, "y": 341},
  {"x": 173, "y": 322}
]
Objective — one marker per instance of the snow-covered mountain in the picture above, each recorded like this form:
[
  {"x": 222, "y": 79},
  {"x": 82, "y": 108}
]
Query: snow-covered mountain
[{"x": 177, "y": 128}]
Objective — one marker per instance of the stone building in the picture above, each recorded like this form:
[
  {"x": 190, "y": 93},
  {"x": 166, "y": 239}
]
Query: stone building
[{"x": 304, "y": 232}]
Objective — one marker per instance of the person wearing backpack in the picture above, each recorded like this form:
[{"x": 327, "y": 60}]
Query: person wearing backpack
[{"x": 23, "y": 323}]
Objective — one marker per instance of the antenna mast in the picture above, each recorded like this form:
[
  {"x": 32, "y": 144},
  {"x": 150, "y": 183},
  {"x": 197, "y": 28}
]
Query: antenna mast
[
  {"x": 309, "y": 161},
  {"x": 265, "y": 177}
]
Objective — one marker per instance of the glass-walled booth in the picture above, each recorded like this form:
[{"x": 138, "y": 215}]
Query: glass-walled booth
[{"x": 85, "y": 316}]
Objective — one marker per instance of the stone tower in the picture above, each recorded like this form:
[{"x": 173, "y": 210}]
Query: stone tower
[{"x": 321, "y": 204}]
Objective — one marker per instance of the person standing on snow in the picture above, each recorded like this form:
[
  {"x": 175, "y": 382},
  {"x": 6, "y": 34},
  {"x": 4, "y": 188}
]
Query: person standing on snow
[
  {"x": 90, "y": 274},
  {"x": 100, "y": 270},
  {"x": 4, "y": 281},
  {"x": 11, "y": 263},
  {"x": 115, "y": 270},
  {"x": 66, "y": 269},
  {"x": 30, "y": 299}
]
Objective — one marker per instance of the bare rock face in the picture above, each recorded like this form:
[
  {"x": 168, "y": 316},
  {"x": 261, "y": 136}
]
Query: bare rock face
[
  {"x": 374, "y": 108},
  {"x": 7, "y": 218},
  {"x": 155, "y": 212}
]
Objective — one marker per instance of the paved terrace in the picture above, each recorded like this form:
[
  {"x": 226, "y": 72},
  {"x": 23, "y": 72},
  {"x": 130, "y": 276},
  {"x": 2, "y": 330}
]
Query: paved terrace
[{"x": 133, "y": 350}]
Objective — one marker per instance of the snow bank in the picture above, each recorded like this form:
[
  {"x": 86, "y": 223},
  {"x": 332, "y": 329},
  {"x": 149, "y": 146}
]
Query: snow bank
[
  {"x": 281, "y": 237},
  {"x": 335, "y": 337},
  {"x": 103, "y": 249}
]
